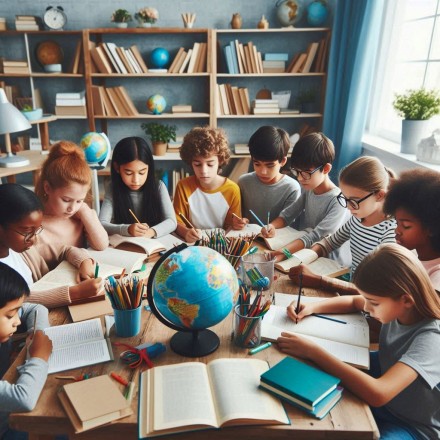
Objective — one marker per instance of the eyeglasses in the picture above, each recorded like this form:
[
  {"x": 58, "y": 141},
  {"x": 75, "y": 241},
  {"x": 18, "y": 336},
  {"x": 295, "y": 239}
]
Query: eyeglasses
[
  {"x": 29, "y": 235},
  {"x": 306, "y": 175},
  {"x": 344, "y": 202}
]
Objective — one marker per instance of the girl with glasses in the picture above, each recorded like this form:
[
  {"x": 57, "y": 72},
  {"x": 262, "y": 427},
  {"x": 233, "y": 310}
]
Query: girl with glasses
[
  {"x": 364, "y": 184},
  {"x": 20, "y": 225}
]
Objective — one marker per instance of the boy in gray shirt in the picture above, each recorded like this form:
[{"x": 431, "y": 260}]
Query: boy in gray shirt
[{"x": 24, "y": 394}]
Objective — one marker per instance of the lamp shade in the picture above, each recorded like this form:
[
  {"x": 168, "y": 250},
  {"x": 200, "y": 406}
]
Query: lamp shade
[{"x": 11, "y": 119}]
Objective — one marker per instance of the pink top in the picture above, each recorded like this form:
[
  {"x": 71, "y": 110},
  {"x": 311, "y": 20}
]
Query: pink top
[{"x": 433, "y": 269}]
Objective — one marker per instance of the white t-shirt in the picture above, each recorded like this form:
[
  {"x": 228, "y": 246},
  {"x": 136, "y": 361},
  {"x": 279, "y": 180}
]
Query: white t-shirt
[{"x": 16, "y": 261}]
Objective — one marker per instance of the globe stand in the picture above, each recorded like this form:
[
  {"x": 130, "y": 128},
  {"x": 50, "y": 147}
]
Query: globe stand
[{"x": 197, "y": 343}]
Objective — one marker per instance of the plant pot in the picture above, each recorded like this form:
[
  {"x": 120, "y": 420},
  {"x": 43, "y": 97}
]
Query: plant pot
[
  {"x": 412, "y": 133},
  {"x": 145, "y": 24},
  {"x": 121, "y": 25},
  {"x": 33, "y": 115},
  {"x": 159, "y": 148}
]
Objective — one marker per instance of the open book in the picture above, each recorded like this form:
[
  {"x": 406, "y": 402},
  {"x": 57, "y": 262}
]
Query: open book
[
  {"x": 148, "y": 246},
  {"x": 77, "y": 345},
  {"x": 318, "y": 265},
  {"x": 193, "y": 396},
  {"x": 349, "y": 342}
]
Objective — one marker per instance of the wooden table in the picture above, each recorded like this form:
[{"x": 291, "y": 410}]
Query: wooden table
[
  {"x": 36, "y": 159},
  {"x": 349, "y": 419}
]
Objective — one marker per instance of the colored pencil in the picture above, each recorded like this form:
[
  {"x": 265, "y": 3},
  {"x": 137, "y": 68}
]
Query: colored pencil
[
  {"x": 188, "y": 224},
  {"x": 329, "y": 318},
  {"x": 256, "y": 218},
  {"x": 134, "y": 216}
]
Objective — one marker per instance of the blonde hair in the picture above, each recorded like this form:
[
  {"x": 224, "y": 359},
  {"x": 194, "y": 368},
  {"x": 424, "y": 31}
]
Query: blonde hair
[
  {"x": 368, "y": 174},
  {"x": 65, "y": 164},
  {"x": 397, "y": 271}
]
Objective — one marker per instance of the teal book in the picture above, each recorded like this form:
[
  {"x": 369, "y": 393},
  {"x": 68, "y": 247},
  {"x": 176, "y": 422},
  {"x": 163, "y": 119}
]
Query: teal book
[{"x": 301, "y": 383}]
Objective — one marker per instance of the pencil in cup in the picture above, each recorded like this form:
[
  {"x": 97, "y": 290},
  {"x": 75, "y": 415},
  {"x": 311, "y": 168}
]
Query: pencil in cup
[{"x": 247, "y": 329}]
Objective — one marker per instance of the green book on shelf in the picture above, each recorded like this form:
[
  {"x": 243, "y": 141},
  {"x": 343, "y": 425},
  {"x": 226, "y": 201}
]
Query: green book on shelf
[{"x": 299, "y": 382}]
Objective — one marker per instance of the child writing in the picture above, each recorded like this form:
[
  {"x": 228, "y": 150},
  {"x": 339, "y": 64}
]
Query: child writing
[
  {"x": 62, "y": 187},
  {"x": 23, "y": 395},
  {"x": 414, "y": 201},
  {"x": 364, "y": 184},
  {"x": 206, "y": 199},
  {"x": 396, "y": 290},
  {"x": 266, "y": 191},
  {"x": 317, "y": 209},
  {"x": 134, "y": 188},
  {"x": 20, "y": 225}
]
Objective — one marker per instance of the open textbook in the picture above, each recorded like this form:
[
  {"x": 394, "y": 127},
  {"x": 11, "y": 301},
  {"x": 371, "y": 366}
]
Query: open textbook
[
  {"x": 149, "y": 246},
  {"x": 349, "y": 342},
  {"x": 77, "y": 345},
  {"x": 318, "y": 265},
  {"x": 193, "y": 396}
]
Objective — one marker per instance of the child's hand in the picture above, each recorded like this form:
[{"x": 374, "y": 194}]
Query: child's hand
[
  {"x": 86, "y": 289},
  {"x": 83, "y": 210},
  {"x": 86, "y": 270},
  {"x": 40, "y": 346},
  {"x": 304, "y": 310},
  {"x": 268, "y": 231},
  {"x": 310, "y": 279},
  {"x": 294, "y": 345},
  {"x": 277, "y": 255},
  {"x": 239, "y": 223},
  {"x": 192, "y": 235},
  {"x": 138, "y": 229}
]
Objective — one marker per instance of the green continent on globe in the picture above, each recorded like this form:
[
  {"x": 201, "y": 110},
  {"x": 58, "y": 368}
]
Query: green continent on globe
[
  {"x": 293, "y": 9},
  {"x": 187, "y": 313}
]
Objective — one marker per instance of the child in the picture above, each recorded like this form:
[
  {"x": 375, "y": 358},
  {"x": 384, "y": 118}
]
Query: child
[
  {"x": 364, "y": 184},
  {"x": 63, "y": 186},
  {"x": 317, "y": 209},
  {"x": 134, "y": 187},
  {"x": 23, "y": 395},
  {"x": 414, "y": 201},
  {"x": 396, "y": 290},
  {"x": 267, "y": 190},
  {"x": 206, "y": 199},
  {"x": 20, "y": 225}
]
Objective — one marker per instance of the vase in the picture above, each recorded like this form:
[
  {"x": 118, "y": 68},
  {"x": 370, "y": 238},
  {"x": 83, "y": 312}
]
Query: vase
[
  {"x": 263, "y": 23},
  {"x": 159, "y": 148},
  {"x": 413, "y": 132},
  {"x": 236, "y": 21},
  {"x": 121, "y": 25},
  {"x": 145, "y": 24}
]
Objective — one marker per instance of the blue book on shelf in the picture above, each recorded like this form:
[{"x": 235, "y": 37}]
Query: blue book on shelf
[
  {"x": 234, "y": 57},
  {"x": 303, "y": 384},
  {"x": 228, "y": 56},
  {"x": 271, "y": 56}
]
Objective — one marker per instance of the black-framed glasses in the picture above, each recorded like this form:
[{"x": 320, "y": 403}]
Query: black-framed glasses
[
  {"x": 306, "y": 175},
  {"x": 344, "y": 202},
  {"x": 29, "y": 235}
]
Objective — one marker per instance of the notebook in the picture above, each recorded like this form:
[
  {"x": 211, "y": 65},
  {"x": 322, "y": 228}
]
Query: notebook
[{"x": 149, "y": 246}]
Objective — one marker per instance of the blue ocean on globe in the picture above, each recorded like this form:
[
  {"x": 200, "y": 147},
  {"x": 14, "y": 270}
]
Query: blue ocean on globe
[
  {"x": 195, "y": 288},
  {"x": 95, "y": 147},
  {"x": 156, "y": 104},
  {"x": 159, "y": 58},
  {"x": 317, "y": 13}
]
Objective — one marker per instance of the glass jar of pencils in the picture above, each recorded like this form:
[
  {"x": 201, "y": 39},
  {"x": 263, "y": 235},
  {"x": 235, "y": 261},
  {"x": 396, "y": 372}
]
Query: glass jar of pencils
[
  {"x": 257, "y": 271},
  {"x": 246, "y": 328}
]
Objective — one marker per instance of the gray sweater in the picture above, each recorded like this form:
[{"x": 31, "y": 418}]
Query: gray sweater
[
  {"x": 163, "y": 228},
  {"x": 24, "y": 394}
]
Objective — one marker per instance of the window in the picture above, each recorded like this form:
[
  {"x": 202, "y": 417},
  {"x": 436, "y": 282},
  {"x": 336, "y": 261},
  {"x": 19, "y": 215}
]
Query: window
[{"x": 409, "y": 58}]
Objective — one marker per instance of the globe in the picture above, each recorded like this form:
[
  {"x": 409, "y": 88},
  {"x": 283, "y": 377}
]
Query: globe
[
  {"x": 289, "y": 11},
  {"x": 189, "y": 289},
  {"x": 96, "y": 147},
  {"x": 156, "y": 104},
  {"x": 159, "y": 58},
  {"x": 317, "y": 13}
]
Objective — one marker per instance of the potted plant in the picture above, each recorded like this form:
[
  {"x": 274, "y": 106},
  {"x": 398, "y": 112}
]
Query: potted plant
[
  {"x": 121, "y": 17},
  {"x": 306, "y": 100},
  {"x": 147, "y": 16},
  {"x": 160, "y": 135},
  {"x": 416, "y": 107}
]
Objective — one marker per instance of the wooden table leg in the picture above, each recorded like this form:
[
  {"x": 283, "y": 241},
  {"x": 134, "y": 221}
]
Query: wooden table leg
[{"x": 44, "y": 135}]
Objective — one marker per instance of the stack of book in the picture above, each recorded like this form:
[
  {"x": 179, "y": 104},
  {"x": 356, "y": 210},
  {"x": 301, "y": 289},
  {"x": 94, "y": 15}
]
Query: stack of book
[
  {"x": 181, "y": 108},
  {"x": 27, "y": 23},
  {"x": 241, "y": 149},
  {"x": 265, "y": 106},
  {"x": 275, "y": 62},
  {"x": 232, "y": 100},
  {"x": 190, "y": 61},
  {"x": 174, "y": 146},
  {"x": 112, "y": 101},
  {"x": 242, "y": 58},
  {"x": 302, "y": 385},
  {"x": 14, "y": 66},
  {"x": 70, "y": 104}
]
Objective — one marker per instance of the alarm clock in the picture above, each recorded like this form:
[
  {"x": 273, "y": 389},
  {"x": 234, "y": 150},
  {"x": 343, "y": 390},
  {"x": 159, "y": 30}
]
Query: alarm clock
[{"x": 54, "y": 18}]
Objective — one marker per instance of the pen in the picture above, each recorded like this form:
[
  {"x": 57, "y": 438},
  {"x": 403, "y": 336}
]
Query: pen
[
  {"x": 188, "y": 224},
  {"x": 299, "y": 295},
  {"x": 268, "y": 220},
  {"x": 328, "y": 317},
  {"x": 35, "y": 321},
  {"x": 260, "y": 348},
  {"x": 256, "y": 218},
  {"x": 134, "y": 215},
  {"x": 119, "y": 378},
  {"x": 96, "y": 269}
]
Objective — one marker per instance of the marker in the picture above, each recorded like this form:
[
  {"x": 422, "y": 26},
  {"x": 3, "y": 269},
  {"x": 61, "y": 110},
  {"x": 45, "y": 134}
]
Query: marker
[
  {"x": 96, "y": 270},
  {"x": 256, "y": 218},
  {"x": 119, "y": 378},
  {"x": 328, "y": 317},
  {"x": 260, "y": 348}
]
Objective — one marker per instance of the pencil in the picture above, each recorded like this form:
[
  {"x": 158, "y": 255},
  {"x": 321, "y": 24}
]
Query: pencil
[
  {"x": 328, "y": 317},
  {"x": 299, "y": 295},
  {"x": 35, "y": 321},
  {"x": 256, "y": 218},
  {"x": 134, "y": 216},
  {"x": 188, "y": 224},
  {"x": 236, "y": 216}
]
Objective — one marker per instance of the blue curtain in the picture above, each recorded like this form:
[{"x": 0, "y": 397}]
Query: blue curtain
[{"x": 355, "y": 38}]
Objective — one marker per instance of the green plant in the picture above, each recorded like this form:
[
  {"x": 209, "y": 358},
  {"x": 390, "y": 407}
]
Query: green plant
[
  {"x": 306, "y": 95},
  {"x": 121, "y": 16},
  {"x": 160, "y": 132},
  {"x": 26, "y": 108},
  {"x": 417, "y": 104}
]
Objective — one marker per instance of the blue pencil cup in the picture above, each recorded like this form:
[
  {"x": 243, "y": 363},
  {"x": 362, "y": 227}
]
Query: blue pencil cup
[{"x": 128, "y": 322}]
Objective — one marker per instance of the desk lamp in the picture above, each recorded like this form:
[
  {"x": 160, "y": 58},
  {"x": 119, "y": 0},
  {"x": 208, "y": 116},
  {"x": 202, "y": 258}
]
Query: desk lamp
[{"x": 11, "y": 121}]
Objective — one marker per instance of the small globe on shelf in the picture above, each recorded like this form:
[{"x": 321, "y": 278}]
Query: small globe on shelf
[
  {"x": 159, "y": 58},
  {"x": 317, "y": 13},
  {"x": 96, "y": 148},
  {"x": 156, "y": 104},
  {"x": 189, "y": 289},
  {"x": 289, "y": 12}
]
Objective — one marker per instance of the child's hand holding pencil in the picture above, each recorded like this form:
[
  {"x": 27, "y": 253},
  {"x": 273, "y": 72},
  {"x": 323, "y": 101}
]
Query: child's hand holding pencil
[
  {"x": 139, "y": 229},
  {"x": 238, "y": 223}
]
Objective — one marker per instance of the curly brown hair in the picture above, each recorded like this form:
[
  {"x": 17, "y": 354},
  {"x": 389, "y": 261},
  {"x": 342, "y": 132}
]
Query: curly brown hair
[{"x": 204, "y": 142}]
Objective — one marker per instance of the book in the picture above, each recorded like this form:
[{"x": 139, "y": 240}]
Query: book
[
  {"x": 319, "y": 265},
  {"x": 77, "y": 345},
  {"x": 311, "y": 52},
  {"x": 211, "y": 396},
  {"x": 348, "y": 342},
  {"x": 181, "y": 108},
  {"x": 299, "y": 382},
  {"x": 185, "y": 61},
  {"x": 71, "y": 95},
  {"x": 283, "y": 236},
  {"x": 73, "y": 110},
  {"x": 137, "y": 55},
  {"x": 272, "y": 56},
  {"x": 149, "y": 246},
  {"x": 175, "y": 60},
  {"x": 93, "y": 402}
]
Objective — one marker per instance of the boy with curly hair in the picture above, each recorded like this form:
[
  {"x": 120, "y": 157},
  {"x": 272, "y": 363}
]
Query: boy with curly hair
[{"x": 207, "y": 199}]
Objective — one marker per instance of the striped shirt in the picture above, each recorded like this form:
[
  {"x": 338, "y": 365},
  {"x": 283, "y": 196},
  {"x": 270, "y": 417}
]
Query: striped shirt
[{"x": 363, "y": 239}]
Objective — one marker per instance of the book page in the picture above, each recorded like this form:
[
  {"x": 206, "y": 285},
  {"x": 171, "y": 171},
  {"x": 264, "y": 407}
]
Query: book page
[
  {"x": 182, "y": 396},
  {"x": 249, "y": 229},
  {"x": 149, "y": 245},
  {"x": 283, "y": 237},
  {"x": 236, "y": 394},
  {"x": 119, "y": 259}
]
